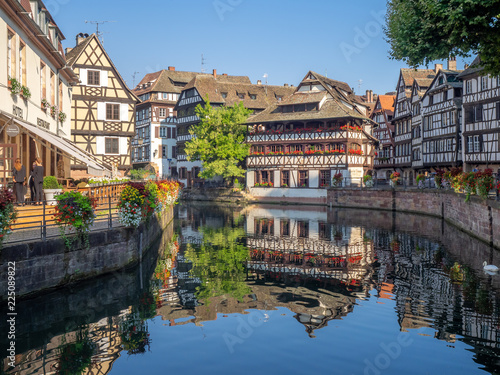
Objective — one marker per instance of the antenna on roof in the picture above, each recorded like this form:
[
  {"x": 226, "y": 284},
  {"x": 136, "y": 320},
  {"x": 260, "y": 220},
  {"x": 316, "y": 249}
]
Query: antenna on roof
[
  {"x": 96, "y": 23},
  {"x": 203, "y": 60},
  {"x": 265, "y": 76},
  {"x": 360, "y": 82},
  {"x": 133, "y": 78}
]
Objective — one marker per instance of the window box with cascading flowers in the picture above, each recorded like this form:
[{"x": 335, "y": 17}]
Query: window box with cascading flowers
[
  {"x": 44, "y": 104},
  {"x": 14, "y": 86},
  {"x": 25, "y": 92},
  {"x": 62, "y": 116},
  {"x": 53, "y": 111}
]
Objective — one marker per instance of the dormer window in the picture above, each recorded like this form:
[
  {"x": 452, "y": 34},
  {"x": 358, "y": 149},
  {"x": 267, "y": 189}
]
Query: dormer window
[
  {"x": 253, "y": 96},
  {"x": 279, "y": 98},
  {"x": 241, "y": 95},
  {"x": 224, "y": 95},
  {"x": 441, "y": 80}
]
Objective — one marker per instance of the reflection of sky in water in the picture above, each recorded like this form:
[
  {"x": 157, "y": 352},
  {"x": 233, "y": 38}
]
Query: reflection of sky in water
[{"x": 407, "y": 305}]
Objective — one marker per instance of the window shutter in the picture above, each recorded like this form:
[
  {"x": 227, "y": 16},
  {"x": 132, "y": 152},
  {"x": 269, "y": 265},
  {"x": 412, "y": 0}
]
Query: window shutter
[
  {"x": 101, "y": 111},
  {"x": 124, "y": 112},
  {"x": 498, "y": 110},
  {"x": 99, "y": 141},
  {"x": 174, "y": 133},
  {"x": 104, "y": 78},
  {"x": 174, "y": 152},
  {"x": 123, "y": 146},
  {"x": 169, "y": 133},
  {"x": 160, "y": 154},
  {"x": 480, "y": 143},
  {"x": 83, "y": 76},
  {"x": 157, "y": 132}
]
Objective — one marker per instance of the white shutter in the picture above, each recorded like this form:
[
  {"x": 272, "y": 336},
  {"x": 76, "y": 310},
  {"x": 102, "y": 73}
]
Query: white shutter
[
  {"x": 99, "y": 141},
  {"x": 123, "y": 150},
  {"x": 104, "y": 78},
  {"x": 124, "y": 112},
  {"x": 83, "y": 76},
  {"x": 101, "y": 111}
]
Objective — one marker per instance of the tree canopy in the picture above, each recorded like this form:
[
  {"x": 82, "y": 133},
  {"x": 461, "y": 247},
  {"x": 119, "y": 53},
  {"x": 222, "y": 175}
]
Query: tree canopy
[
  {"x": 421, "y": 31},
  {"x": 219, "y": 140}
]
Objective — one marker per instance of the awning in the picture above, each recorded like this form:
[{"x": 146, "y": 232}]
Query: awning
[{"x": 94, "y": 165}]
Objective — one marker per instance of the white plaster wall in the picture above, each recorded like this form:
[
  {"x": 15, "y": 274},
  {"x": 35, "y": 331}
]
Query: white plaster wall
[
  {"x": 287, "y": 192},
  {"x": 250, "y": 178},
  {"x": 294, "y": 178},
  {"x": 277, "y": 178},
  {"x": 314, "y": 178}
]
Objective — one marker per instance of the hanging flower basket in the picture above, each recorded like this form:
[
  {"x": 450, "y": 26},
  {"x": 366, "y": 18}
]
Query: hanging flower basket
[
  {"x": 44, "y": 104},
  {"x": 53, "y": 111},
  {"x": 62, "y": 116},
  {"x": 14, "y": 86},
  {"x": 25, "y": 92}
]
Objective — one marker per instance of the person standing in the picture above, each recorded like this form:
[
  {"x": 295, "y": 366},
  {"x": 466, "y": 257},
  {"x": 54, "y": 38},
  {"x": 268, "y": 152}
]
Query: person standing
[
  {"x": 38, "y": 180},
  {"x": 19, "y": 176},
  {"x": 31, "y": 184}
]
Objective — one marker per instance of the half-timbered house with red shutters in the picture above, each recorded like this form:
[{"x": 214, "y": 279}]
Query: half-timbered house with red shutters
[
  {"x": 441, "y": 118},
  {"x": 221, "y": 90},
  {"x": 35, "y": 93},
  {"x": 103, "y": 107},
  {"x": 301, "y": 142},
  {"x": 402, "y": 119},
  {"x": 382, "y": 114},
  {"x": 155, "y": 145},
  {"x": 481, "y": 119}
]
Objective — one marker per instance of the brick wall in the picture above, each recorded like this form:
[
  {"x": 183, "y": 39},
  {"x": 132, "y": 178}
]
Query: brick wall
[{"x": 477, "y": 217}]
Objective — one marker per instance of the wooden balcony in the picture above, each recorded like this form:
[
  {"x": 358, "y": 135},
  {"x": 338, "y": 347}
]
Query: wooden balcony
[
  {"x": 324, "y": 135},
  {"x": 313, "y": 161}
]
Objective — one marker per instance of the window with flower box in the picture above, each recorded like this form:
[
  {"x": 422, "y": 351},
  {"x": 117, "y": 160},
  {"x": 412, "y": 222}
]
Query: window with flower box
[
  {"x": 303, "y": 178},
  {"x": 324, "y": 178},
  {"x": 264, "y": 178},
  {"x": 285, "y": 178}
]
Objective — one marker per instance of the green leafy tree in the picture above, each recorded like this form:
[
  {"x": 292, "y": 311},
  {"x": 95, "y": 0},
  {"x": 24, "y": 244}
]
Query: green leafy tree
[
  {"x": 219, "y": 262},
  {"x": 218, "y": 140},
  {"x": 420, "y": 31}
]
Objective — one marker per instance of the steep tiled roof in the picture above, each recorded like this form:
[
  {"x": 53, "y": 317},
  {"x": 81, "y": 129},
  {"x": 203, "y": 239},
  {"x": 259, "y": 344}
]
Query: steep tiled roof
[
  {"x": 387, "y": 102},
  {"x": 410, "y": 74},
  {"x": 72, "y": 55},
  {"x": 475, "y": 67},
  {"x": 304, "y": 97}
]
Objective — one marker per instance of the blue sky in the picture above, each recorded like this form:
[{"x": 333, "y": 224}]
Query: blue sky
[{"x": 282, "y": 38}]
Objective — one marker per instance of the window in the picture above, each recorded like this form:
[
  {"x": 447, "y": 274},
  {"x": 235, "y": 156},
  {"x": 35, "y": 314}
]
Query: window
[
  {"x": 253, "y": 96},
  {"x": 279, "y": 98},
  {"x": 112, "y": 111},
  {"x": 449, "y": 144},
  {"x": 303, "y": 178},
  {"x": 11, "y": 54},
  {"x": 478, "y": 113},
  {"x": 163, "y": 112},
  {"x": 285, "y": 178},
  {"x": 43, "y": 80},
  {"x": 303, "y": 229},
  {"x": 445, "y": 95},
  {"x": 224, "y": 95},
  {"x": 325, "y": 231},
  {"x": 468, "y": 87},
  {"x": 111, "y": 145},
  {"x": 324, "y": 178},
  {"x": 285, "y": 227},
  {"x": 163, "y": 132},
  {"x": 477, "y": 143},
  {"x": 484, "y": 83},
  {"x": 60, "y": 95},
  {"x": 183, "y": 173},
  {"x": 431, "y": 99},
  {"x": 22, "y": 63},
  {"x": 241, "y": 95},
  {"x": 164, "y": 152},
  {"x": 264, "y": 226},
  {"x": 93, "y": 77},
  {"x": 52, "y": 88}
]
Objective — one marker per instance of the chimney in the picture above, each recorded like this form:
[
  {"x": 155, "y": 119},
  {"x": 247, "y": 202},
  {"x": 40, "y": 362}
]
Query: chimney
[
  {"x": 452, "y": 63},
  {"x": 171, "y": 68},
  {"x": 224, "y": 74},
  {"x": 438, "y": 67},
  {"x": 259, "y": 82},
  {"x": 214, "y": 72},
  {"x": 286, "y": 85},
  {"x": 81, "y": 37}
]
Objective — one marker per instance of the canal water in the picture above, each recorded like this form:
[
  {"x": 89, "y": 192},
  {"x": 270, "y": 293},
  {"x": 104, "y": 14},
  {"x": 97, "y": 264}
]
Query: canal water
[{"x": 277, "y": 289}]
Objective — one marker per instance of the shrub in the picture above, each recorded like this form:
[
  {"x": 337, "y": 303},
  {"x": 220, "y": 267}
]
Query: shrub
[
  {"x": 50, "y": 182},
  {"x": 7, "y": 213}
]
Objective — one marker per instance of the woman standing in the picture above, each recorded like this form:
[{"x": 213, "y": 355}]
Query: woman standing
[
  {"x": 38, "y": 180},
  {"x": 19, "y": 176}
]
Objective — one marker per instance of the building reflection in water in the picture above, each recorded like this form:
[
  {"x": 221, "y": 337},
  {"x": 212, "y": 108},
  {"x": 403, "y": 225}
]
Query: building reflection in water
[{"x": 316, "y": 263}]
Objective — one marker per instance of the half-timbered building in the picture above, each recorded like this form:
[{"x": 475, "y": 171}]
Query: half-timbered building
[
  {"x": 221, "y": 90},
  {"x": 35, "y": 92},
  {"x": 441, "y": 118},
  {"x": 481, "y": 118},
  {"x": 384, "y": 131},
  {"x": 417, "y": 92},
  {"x": 402, "y": 119},
  {"x": 103, "y": 107},
  {"x": 155, "y": 145},
  {"x": 303, "y": 140}
]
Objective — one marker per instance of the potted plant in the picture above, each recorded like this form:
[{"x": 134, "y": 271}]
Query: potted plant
[
  {"x": 395, "y": 179},
  {"x": 337, "y": 180},
  {"x": 53, "y": 110},
  {"x": 62, "y": 116},
  {"x": 25, "y": 92},
  {"x": 14, "y": 86},
  {"x": 7, "y": 213},
  {"x": 368, "y": 180},
  {"x": 51, "y": 188},
  {"x": 484, "y": 183},
  {"x": 44, "y": 104},
  {"x": 420, "y": 180}
]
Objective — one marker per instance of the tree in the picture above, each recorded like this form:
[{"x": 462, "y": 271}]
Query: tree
[
  {"x": 218, "y": 140},
  {"x": 420, "y": 31}
]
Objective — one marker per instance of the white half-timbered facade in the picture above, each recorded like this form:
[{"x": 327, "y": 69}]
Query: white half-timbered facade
[
  {"x": 417, "y": 161},
  {"x": 384, "y": 132},
  {"x": 481, "y": 119},
  {"x": 441, "y": 118}
]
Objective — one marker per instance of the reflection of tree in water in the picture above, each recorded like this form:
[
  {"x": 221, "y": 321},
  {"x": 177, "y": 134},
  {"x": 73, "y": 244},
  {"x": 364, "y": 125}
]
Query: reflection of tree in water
[
  {"x": 219, "y": 262},
  {"x": 76, "y": 357}
]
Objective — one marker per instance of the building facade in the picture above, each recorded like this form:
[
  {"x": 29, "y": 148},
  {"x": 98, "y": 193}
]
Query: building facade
[
  {"x": 219, "y": 90},
  {"x": 35, "y": 92},
  {"x": 481, "y": 119},
  {"x": 307, "y": 138},
  {"x": 382, "y": 115},
  {"x": 103, "y": 107},
  {"x": 155, "y": 145}
]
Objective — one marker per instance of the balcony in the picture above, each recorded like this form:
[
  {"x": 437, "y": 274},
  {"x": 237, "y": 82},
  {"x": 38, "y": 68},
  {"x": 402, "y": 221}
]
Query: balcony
[
  {"x": 383, "y": 162},
  {"x": 184, "y": 138},
  {"x": 305, "y": 136},
  {"x": 313, "y": 161}
]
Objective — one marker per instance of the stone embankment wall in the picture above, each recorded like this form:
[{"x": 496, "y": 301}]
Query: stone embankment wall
[
  {"x": 477, "y": 217},
  {"x": 45, "y": 265}
]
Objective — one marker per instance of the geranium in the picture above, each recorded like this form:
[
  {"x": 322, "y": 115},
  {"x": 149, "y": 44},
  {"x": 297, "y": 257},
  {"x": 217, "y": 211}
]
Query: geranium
[
  {"x": 355, "y": 152},
  {"x": 337, "y": 179},
  {"x": 7, "y": 213},
  {"x": 395, "y": 178},
  {"x": 351, "y": 128},
  {"x": 75, "y": 212},
  {"x": 484, "y": 182}
]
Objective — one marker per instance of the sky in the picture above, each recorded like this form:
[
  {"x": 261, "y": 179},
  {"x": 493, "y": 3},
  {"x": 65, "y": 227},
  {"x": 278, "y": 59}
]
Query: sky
[{"x": 284, "y": 39}]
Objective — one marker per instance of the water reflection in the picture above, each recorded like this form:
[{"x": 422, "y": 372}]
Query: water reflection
[{"x": 323, "y": 266}]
